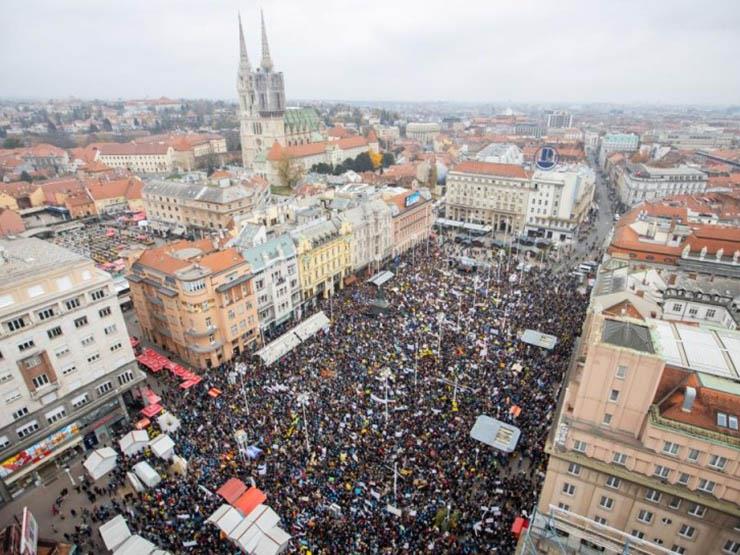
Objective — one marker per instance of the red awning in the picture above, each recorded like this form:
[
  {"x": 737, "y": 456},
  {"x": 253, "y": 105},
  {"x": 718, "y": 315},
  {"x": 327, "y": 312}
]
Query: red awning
[
  {"x": 151, "y": 410},
  {"x": 151, "y": 397},
  {"x": 143, "y": 423},
  {"x": 214, "y": 392},
  {"x": 249, "y": 500},
  {"x": 519, "y": 525},
  {"x": 232, "y": 490}
]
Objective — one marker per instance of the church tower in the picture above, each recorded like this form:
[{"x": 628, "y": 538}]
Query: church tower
[{"x": 261, "y": 104}]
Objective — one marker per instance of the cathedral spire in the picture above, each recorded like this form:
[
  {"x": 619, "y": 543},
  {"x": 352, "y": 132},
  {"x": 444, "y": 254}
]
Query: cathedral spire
[
  {"x": 266, "y": 60},
  {"x": 243, "y": 57}
]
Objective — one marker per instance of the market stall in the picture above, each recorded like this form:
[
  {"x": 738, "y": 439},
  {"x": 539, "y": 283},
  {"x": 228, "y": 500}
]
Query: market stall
[
  {"x": 133, "y": 442},
  {"x": 100, "y": 462}
]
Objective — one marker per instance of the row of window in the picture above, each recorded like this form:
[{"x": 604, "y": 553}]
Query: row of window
[
  {"x": 716, "y": 462},
  {"x": 24, "y": 321}
]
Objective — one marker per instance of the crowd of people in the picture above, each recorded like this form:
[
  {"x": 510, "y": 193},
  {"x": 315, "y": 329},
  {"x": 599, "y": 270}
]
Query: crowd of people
[{"x": 383, "y": 461}]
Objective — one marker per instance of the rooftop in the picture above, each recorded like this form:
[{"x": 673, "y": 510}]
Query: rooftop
[
  {"x": 489, "y": 168},
  {"x": 24, "y": 257},
  {"x": 627, "y": 334}
]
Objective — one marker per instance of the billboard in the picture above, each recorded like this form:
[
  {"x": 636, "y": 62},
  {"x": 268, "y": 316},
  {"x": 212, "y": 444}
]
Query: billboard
[
  {"x": 29, "y": 534},
  {"x": 546, "y": 158},
  {"x": 413, "y": 198},
  {"x": 38, "y": 451}
]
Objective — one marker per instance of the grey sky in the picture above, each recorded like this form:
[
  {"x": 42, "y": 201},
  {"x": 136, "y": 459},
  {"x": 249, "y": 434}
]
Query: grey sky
[{"x": 672, "y": 51}]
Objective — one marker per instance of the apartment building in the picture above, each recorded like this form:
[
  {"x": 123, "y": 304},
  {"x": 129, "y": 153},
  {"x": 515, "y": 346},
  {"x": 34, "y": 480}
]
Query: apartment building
[
  {"x": 195, "y": 300},
  {"x": 372, "y": 231},
  {"x": 423, "y": 132},
  {"x": 411, "y": 218},
  {"x": 202, "y": 205},
  {"x": 616, "y": 142},
  {"x": 66, "y": 363},
  {"x": 489, "y": 194},
  {"x": 138, "y": 158},
  {"x": 639, "y": 182},
  {"x": 324, "y": 255},
  {"x": 645, "y": 449},
  {"x": 705, "y": 299}
]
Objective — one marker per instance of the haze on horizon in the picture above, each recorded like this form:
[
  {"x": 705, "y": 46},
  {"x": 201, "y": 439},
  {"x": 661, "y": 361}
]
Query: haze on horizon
[{"x": 667, "y": 52}]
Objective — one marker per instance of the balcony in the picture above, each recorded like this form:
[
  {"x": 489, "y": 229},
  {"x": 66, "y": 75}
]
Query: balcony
[
  {"x": 154, "y": 300},
  {"x": 205, "y": 348},
  {"x": 200, "y": 333}
]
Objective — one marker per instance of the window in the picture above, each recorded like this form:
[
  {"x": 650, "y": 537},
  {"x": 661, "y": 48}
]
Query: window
[
  {"x": 71, "y": 369},
  {"x": 677, "y": 307},
  {"x": 707, "y": 485},
  {"x": 574, "y": 469},
  {"x": 653, "y": 495},
  {"x": 613, "y": 395},
  {"x": 606, "y": 503},
  {"x": 104, "y": 388},
  {"x": 580, "y": 446},
  {"x": 687, "y": 531},
  {"x": 56, "y": 414},
  {"x": 613, "y": 482},
  {"x": 97, "y": 295},
  {"x": 5, "y": 377},
  {"x": 28, "y": 429},
  {"x": 110, "y": 329},
  {"x": 675, "y": 503},
  {"x": 81, "y": 322},
  {"x": 20, "y": 413},
  {"x": 26, "y": 345},
  {"x": 40, "y": 381},
  {"x": 683, "y": 479},
  {"x": 678, "y": 549},
  {"x": 564, "y": 506},
  {"x": 16, "y": 324},
  {"x": 619, "y": 458},
  {"x": 103, "y": 312},
  {"x": 61, "y": 352},
  {"x": 569, "y": 489},
  {"x": 87, "y": 341},
  {"x": 600, "y": 520},
  {"x": 726, "y": 420},
  {"x": 93, "y": 358},
  {"x": 694, "y": 455},
  {"x": 638, "y": 534},
  {"x": 54, "y": 332},
  {"x": 715, "y": 461},
  {"x": 731, "y": 547},
  {"x": 607, "y": 419},
  {"x": 126, "y": 377},
  {"x": 670, "y": 448},
  {"x": 46, "y": 313},
  {"x": 693, "y": 311},
  {"x": 4, "y": 442},
  {"x": 697, "y": 510},
  {"x": 115, "y": 347},
  {"x": 77, "y": 402},
  {"x": 71, "y": 304},
  {"x": 711, "y": 313},
  {"x": 662, "y": 471},
  {"x": 645, "y": 516}
]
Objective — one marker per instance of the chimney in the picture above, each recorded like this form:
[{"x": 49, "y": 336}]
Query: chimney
[{"x": 688, "y": 399}]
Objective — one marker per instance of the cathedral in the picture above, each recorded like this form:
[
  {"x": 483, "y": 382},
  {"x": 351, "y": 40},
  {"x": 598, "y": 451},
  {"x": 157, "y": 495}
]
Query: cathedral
[{"x": 263, "y": 117}]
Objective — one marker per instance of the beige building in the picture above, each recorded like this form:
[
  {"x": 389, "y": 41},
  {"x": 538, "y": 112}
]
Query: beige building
[
  {"x": 645, "y": 449},
  {"x": 411, "y": 218},
  {"x": 202, "y": 205},
  {"x": 372, "y": 231},
  {"x": 66, "y": 363},
  {"x": 195, "y": 301},
  {"x": 489, "y": 194},
  {"x": 138, "y": 158}
]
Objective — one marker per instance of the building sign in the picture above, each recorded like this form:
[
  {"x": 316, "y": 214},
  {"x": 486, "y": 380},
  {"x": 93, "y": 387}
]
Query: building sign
[
  {"x": 29, "y": 534},
  {"x": 413, "y": 198},
  {"x": 546, "y": 158},
  {"x": 38, "y": 451}
]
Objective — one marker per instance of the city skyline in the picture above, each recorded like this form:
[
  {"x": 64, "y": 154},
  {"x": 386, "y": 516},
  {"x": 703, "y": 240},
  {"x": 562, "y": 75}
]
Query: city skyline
[{"x": 347, "y": 53}]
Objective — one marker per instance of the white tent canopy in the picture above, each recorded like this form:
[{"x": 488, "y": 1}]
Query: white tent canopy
[
  {"x": 135, "y": 482},
  {"x": 114, "y": 532},
  {"x": 290, "y": 340},
  {"x": 226, "y": 518},
  {"x": 258, "y": 533},
  {"x": 162, "y": 446},
  {"x": 147, "y": 474},
  {"x": 168, "y": 422},
  {"x": 133, "y": 442},
  {"x": 135, "y": 545},
  {"x": 100, "y": 462}
]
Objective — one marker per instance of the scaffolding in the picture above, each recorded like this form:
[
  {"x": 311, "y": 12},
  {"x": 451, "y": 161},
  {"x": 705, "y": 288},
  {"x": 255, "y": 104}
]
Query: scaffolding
[{"x": 564, "y": 532}]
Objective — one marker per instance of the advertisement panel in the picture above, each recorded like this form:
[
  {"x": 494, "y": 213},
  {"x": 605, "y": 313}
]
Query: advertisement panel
[
  {"x": 413, "y": 198},
  {"x": 39, "y": 451},
  {"x": 29, "y": 534}
]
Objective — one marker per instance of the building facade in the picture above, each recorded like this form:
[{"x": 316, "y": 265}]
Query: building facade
[
  {"x": 138, "y": 158},
  {"x": 66, "y": 362},
  {"x": 559, "y": 120},
  {"x": 489, "y": 194},
  {"x": 645, "y": 448},
  {"x": 195, "y": 301},
  {"x": 423, "y": 132},
  {"x": 616, "y": 142},
  {"x": 411, "y": 219},
  {"x": 324, "y": 253},
  {"x": 639, "y": 182},
  {"x": 372, "y": 231}
]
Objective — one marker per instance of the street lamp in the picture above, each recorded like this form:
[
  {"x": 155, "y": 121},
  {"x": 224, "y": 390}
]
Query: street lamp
[
  {"x": 385, "y": 374},
  {"x": 303, "y": 399}
]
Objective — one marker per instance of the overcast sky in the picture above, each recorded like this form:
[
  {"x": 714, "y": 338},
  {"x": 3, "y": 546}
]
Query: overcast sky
[{"x": 672, "y": 51}]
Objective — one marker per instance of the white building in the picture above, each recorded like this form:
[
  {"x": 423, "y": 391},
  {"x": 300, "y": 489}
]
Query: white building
[
  {"x": 424, "y": 132},
  {"x": 559, "y": 202},
  {"x": 371, "y": 233},
  {"x": 274, "y": 269},
  {"x": 65, "y": 359},
  {"x": 703, "y": 299},
  {"x": 501, "y": 153},
  {"x": 639, "y": 182},
  {"x": 617, "y": 142},
  {"x": 559, "y": 120}
]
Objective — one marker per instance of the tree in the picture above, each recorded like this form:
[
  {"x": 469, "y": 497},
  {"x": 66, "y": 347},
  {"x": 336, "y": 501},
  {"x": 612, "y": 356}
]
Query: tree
[
  {"x": 363, "y": 163},
  {"x": 12, "y": 142},
  {"x": 107, "y": 126},
  {"x": 93, "y": 128},
  {"x": 432, "y": 177},
  {"x": 289, "y": 172},
  {"x": 209, "y": 162},
  {"x": 376, "y": 158},
  {"x": 25, "y": 176},
  {"x": 388, "y": 159},
  {"x": 322, "y": 167}
]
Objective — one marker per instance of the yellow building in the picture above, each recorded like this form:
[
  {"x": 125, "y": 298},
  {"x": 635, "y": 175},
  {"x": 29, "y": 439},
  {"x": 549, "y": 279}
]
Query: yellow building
[
  {"x": 324, "y": 257},
  {"x": 196, "y": 301},
  {"x": 20, "y": 195}
]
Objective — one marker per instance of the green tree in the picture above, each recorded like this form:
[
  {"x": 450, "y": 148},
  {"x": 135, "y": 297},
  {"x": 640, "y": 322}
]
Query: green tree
[
  {"x": 363, "y": 163},
  {"x": 93, "y": 128},
  {"x": 388, "y": 159},
  {"x": 107, "y": 125},
  {"x": 12, "y": 142}
]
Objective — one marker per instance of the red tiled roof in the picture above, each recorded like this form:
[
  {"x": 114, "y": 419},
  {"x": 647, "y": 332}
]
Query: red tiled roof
[{"x": 488, "y": 168}]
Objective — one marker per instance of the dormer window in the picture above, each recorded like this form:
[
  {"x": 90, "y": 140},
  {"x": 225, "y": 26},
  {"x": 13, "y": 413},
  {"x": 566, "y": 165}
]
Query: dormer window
[{"x": 725, "y": 420}]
